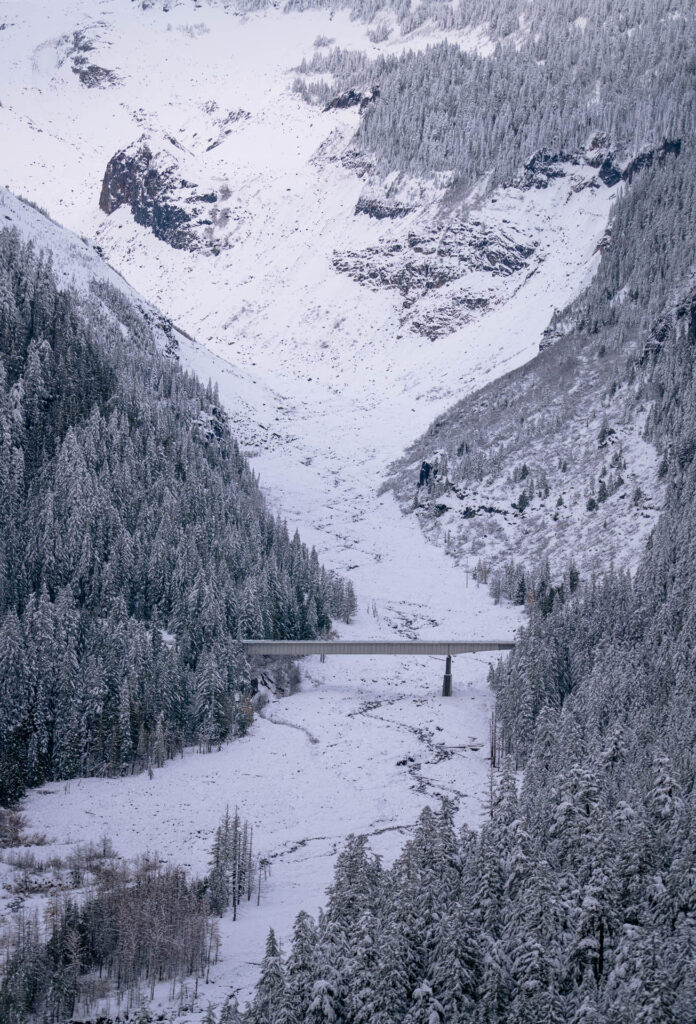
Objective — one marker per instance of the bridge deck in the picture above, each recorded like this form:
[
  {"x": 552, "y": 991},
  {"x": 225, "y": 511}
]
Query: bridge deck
[{"x": 298, "y": 648}]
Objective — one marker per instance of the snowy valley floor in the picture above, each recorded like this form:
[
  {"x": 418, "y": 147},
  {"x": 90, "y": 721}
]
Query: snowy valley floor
[{"x": 361, "y": 748}]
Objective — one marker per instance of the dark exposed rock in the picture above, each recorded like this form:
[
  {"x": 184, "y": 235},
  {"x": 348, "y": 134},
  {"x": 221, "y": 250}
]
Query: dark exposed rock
[
  {"x": 226, "y": 125},
  {"x": 379, "y": 208},
  {"x": 609, "y": 173},
  {"x": 605, "y": 241},
  {"x": 135, "y": 178},
  {"x": 589, "y": 183},
  {"x": 94, "y": 77},
  {"x": 433, "y": 475},
  {"x": 147, "y": 178},
  {"x": 670, "y": 147},
  {"x": 543, "y": 167},
  {"x": 549, "y": 337},
  {"x": 419, "y": 276},
  {"x": 596, "y": 149},
  {"x": 353, "y": 159},
  {"x": 353, "y": 98},
  {"x": 663, "y": 327},
  {"x": 427, "y": 260},
  {"x": 447, "y": 318}
]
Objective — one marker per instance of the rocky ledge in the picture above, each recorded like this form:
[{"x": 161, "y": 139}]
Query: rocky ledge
[
  {"x": 428, "y": 259},
  {"x": 148, "y": 178}
]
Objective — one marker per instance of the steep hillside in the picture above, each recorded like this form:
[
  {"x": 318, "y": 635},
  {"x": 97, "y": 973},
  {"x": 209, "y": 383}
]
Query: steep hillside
[
  {"x": 136, "y": 546},
  {"x": 553, "y": 460},
  {"x": 254, "y": 220},
  {"x": 361, "y": 746}
]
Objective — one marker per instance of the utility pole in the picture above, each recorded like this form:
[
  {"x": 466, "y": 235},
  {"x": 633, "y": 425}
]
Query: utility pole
[{"x": 447, "y": 681}]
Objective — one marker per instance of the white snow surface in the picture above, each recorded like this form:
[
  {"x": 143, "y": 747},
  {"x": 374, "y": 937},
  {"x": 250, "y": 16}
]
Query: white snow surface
[{"x": 324, "y": 389}]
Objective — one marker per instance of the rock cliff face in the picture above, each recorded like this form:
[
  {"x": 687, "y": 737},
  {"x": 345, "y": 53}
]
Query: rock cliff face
[
  {"x": 380, "y": 208},
  {"x": 148, "y": 178},
  {"x": 543, "y": 167},
  {"x": 611, "y": 170},
  {"x": 148, "y": 185}
]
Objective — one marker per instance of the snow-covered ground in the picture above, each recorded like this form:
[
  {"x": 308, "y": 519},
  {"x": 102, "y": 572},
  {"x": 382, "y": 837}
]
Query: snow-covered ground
[{"x": 324, "y": 388}]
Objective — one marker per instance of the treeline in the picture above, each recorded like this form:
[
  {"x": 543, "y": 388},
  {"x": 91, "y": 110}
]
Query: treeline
[
  {"x": 532, "y": 588},
  {"x": 575, "y": 903},
  {"x": 535, "y": 918},
  {"x": 623, "y": 69},
  {"x": 127, "y": 928},
  {"x": 135, "y": 544},
  {"x": 140, "y": 924},
  {"x": 549, "y": 20}
]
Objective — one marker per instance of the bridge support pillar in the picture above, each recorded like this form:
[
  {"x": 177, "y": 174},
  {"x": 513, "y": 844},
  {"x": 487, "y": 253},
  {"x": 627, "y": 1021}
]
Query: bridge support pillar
[{"x": 447, "y": 681}]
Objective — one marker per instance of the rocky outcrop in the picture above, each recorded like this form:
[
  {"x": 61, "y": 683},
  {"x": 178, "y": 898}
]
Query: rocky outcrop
[
  {"x": 381, "y": 208},
  {"x": 148, "y": 184},
  {"x": 429, "y": 259},
  {"x": 644, "y": 160},
  {"x": 149, "y": 177},
  {"x": 611, "y": 171},
  {"x": 543, "y": 168},
  {"x": 92, "y": 76},
  {"x": 353, "y": 98},
  {"x": 447, "y": 317},
  {"x": 391, "y": 266}
]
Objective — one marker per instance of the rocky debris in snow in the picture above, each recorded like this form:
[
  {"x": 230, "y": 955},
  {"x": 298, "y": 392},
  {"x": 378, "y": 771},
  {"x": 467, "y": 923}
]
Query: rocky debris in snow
[
  {"x": 433, "y": 257},
  {"x": 226, "y": 125},
  {"x": 446, "y": 318},
  {"x": 92, "y": 76}
]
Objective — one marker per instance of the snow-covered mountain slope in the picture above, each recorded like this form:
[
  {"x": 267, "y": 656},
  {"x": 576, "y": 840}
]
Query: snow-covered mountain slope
[
  {"x": 327, "y": 373},
  {"x": 297, "y": 279},
  {"x": 550, "y": 463}
]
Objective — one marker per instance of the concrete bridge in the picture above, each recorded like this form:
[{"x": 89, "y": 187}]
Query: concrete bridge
[{"x": 448, "y": 648}]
